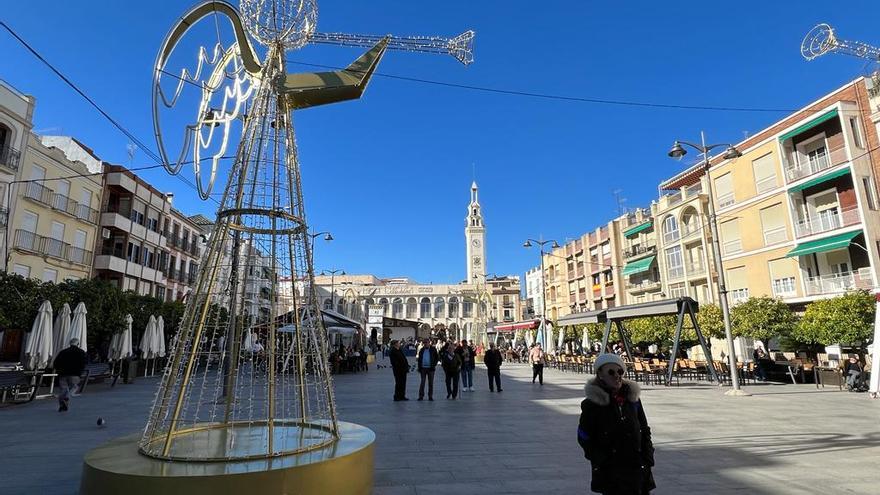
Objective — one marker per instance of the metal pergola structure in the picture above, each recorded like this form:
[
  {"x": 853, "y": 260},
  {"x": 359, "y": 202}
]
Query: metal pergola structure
[{"x": 681, "y": 307}]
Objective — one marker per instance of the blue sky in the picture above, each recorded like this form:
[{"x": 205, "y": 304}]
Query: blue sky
[{"x": 389, "y": 175}]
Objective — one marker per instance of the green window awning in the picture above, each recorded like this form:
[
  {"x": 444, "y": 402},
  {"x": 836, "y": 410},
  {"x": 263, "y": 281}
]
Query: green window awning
[
  {"x": 638, "y": 228},
  {"x": 809, "y": 125},
  {"x": 638, "y": 266},
  {"x": 838, "y": 241},
  {"x": 819, "y": 180}
]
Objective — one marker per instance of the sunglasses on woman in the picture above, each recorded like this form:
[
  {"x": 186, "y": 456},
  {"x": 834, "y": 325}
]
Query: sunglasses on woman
[{"x": 613, "y": 371}]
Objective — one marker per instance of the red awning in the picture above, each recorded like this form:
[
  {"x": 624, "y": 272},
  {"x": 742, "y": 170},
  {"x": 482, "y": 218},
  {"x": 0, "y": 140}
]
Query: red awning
[{"x": 520, "y": 325}]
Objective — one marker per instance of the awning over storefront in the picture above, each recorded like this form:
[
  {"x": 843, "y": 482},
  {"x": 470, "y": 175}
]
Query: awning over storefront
[
  {"x": 809, "y": 125},
  {"x": 519, "y": 325},
  {"x": 638, "y": 266},
  {"x": 581, "y": 318},
  {"x": 818, "y": 180},
  {"x": 838, "y": 241},
  {"x": 638, "y": 228}
]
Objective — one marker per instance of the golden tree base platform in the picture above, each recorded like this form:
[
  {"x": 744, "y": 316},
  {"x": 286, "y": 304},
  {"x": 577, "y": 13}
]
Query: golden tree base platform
[{"x": 344, "y": 468}]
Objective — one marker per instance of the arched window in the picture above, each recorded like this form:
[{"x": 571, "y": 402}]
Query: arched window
[
  {"x": 690, "y": 222},
  {"x": 425, "y": 308},
  {"x": 670, "y": 229},
  {"x": 328, "y": 303},
  {"x": 467, "y": 308},
  {"x": 340, "y": 306},
  {"x": 439, "y": 308},
  {"x": 453, "y": 307},
  {"x": 397, "y": 308},
  {"x": 411, "y": 307},
  {"x": 384, "y": 302}
]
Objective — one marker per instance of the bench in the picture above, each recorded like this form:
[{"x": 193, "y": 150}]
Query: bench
[
  {"x": 96, "y": 372},
  {"x": 19, "y": 385}
]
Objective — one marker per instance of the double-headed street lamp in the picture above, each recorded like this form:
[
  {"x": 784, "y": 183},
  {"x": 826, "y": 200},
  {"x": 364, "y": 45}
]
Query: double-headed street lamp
[
  {"x": 554, "y": 245},
  {"x": 730, "y": 153},
  {"x": 332, "y": 274}
]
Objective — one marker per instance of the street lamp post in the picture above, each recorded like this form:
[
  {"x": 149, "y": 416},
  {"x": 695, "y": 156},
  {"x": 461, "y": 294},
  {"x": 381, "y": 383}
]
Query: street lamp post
[
  {"x": 730, "y": 153},
  {"x": 541, "y": 243},
  {"x": 327, "y": 237},
  {"x": 332, "y": 274}
]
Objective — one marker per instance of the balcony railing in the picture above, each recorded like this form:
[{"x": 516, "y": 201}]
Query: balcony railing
[
  {"x": 73, "y": 208},
  {"x": 674, "y": 199},
  {"x": 775, "y": 235},
  {"x": 47, "y": 246},
  {"x": 828, "y": 220},
  {"x": 696, "y": 268},
  {"x": 38, "y": 193},
  {"x": 738, "y": 296},
  {"x": 839, "y": 282},
  {"x": 639, "y": 250},
  {"x": 671, "y": 236},
  {"x": 784, "y": 287},
  {"x": 675, "y": 272},
  {"x": 726, "y": 200},
  {"x": 173, "y": 240},
  {"x": 732, "y": 247},
  {"x": 795, "y": 170},
  {"x": 10, "y": 157},
  {"x": 642, "y": 286}
]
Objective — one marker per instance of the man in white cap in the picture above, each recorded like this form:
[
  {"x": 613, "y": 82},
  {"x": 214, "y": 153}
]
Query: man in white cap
[{"x": 614, "y": 433}]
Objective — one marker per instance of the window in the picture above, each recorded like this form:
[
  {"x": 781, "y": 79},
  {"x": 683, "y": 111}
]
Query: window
[
  {"x": 23, "y": 270},
  {"x": 764, "y": 169},
  {"x": 670, "y": 229},
  {"x": 737, "y": 285},
  {"x": 29, "y": 221},
  {"x": 439, "y": 309},
  {"x": 467, "y": 308},
  {"x": 50, "y": 275},
  {"x": 425, "y": 308},
  {"x": 38, "y": 173},
  {"x": 773, "y": 223},
  {"x": 134, "y": 252},
  {"x": 55, "y": 245},
  {"x": 606, "y": 249},
  {"x": 724, "y": 190},
  {"x": 870, "y": 192},
  {"x": 453, "y": 307},
  {"x": 782, "y": 277},
  {"x": 677, "y": 290},
  {"x": 674, "y": 262},
  {"x": 62, "y": 192},
  {"x": 856, "y": 132},
  {"x": 397, "y": 308},
  {"x": 411, "y": 307},
  {"x": 78, "y": 253},
  {"x": 730, "y": 239}
]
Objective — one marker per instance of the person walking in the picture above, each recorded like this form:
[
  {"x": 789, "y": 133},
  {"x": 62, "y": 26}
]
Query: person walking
[
  {"x": 468, "y": 364},
  {"x": 536, "y": 358},
  {"x": 614, "y": 433},
  {"x": 427, "y": 359},
  {"x": 493, "y": 361},
  {"x": 69, "y": 365},
  {"x": 400, "y": 367},
  {"x": 451, "y": 363}
]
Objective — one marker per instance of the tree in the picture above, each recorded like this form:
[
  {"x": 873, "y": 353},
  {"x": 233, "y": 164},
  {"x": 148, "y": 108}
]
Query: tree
[
  {"x": 711, "y": 321},
  {"x": 19, "y": 301},
  {"x": 846, "y": 319},
  {"x": 762, "y": 318},
  {"x": 652, "y": 329}
]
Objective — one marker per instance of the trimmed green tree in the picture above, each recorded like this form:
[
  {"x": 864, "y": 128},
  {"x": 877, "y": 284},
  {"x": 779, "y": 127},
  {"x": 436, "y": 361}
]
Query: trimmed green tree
[
  {"x": 845, "y": 319},
  {"x": 762, "y": 318}
]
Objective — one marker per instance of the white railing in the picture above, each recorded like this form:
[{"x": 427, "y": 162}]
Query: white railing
[
  {"x": 675, "y": 272},
  {"x": 795, "y": 170},
  {"x": 643, "y": 286},
  {"x": 824, "y": 222},
  {"x": 673, "y": 199},
  {"x": 784, "y": 287},
  {"x": 839, "y": 282},
  {"x": 738, "y": 296},
  {"x": 671, "y": 236},
  {"x": 734, "y": 246},
  {"x": 695, "y": 268},
  {"x": 773, "y": 236},
  {"x": 726, "y": 200}
]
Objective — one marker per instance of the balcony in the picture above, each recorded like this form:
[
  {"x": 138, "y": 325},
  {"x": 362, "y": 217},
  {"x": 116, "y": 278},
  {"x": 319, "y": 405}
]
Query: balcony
[
  {"x": 784, "y": 287},
  {"x": 675, "y": 272},
  {"x": 839, "y": 282},
  {"x": 694, "y": 269},
  {"x": 643, "y": 286},
  {"x": 39, "y": 193},
  {"x": 726, "y": 200},
  {"x": 74, "y": 209},
  {"x": 826, "y": 221},
  {"x": 639, "y": 250},
  {"x": 10, "y": 158},
  {"x": 671, "y": 236},
  {"x": 738, "y": 296},
  {"x": 53, "y": 248},
  {"x": 798, "y": 168}
]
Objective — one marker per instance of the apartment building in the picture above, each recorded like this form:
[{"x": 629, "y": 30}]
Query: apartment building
[
  {"x": 583, "y": 274},
  {"x": 534, "y": 293},
  {"x": 132, "y": 250},
  {"x": 637, "y": 248},
  {"x": 798, "y": 212},
  {"x": 505, "y": 295},
  {"x": 53, "y": 228},
  {"x": 16, "y": 121},
  {"x": 186, "y": 241}
]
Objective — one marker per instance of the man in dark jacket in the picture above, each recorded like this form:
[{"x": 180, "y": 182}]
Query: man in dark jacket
[
  {"x": 427, "y": 362},
  {"x": 614, "y": 432},
  {"x": 69, "y": 365},
  {"x": 493, "y": 362},
  {"x": 451, "y": 363},
  {"x": 400, "y": 367}
]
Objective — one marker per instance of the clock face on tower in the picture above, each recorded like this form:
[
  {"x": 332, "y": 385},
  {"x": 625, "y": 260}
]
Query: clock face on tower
[{"x": 476, "y": 243}]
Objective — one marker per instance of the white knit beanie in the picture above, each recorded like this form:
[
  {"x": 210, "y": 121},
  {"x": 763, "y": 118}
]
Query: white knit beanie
[{"x": 608, "y": 358}]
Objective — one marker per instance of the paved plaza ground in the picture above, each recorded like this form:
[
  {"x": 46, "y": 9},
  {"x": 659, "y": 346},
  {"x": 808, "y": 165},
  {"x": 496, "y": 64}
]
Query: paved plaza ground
[{"x": 784, "y": 439}]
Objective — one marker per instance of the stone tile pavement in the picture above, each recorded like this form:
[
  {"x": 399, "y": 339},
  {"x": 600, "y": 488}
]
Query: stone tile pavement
[{"x": 784, "y": 439}]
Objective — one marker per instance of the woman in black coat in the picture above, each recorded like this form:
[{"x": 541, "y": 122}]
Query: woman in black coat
[{"x": 614, "y": 432}]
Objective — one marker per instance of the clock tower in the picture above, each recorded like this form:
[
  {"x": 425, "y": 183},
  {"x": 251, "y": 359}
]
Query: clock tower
[{"x": 475, "y": 237}]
